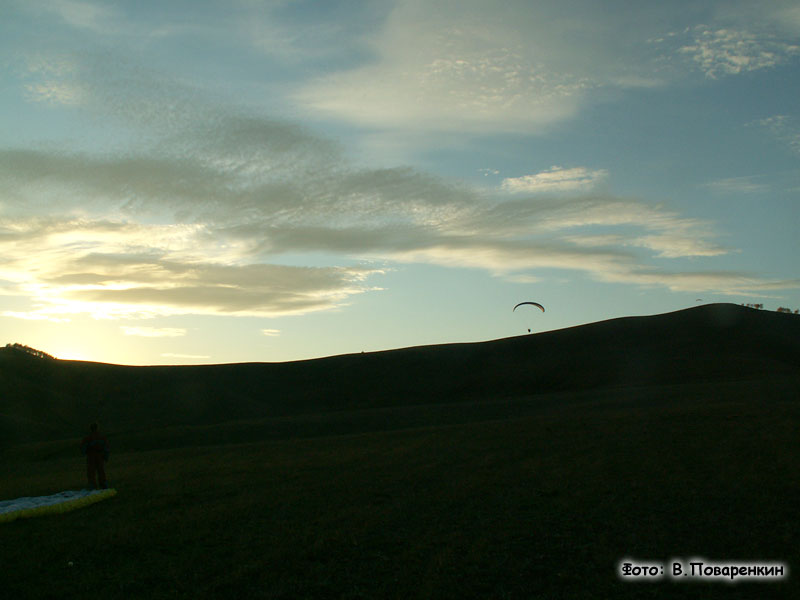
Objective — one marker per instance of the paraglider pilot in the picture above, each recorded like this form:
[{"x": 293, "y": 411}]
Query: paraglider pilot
[{"x": 95, "y": 447}]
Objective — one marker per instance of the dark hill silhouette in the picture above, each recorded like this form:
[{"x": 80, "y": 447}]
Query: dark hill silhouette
[{"x": 49, "y": 399}]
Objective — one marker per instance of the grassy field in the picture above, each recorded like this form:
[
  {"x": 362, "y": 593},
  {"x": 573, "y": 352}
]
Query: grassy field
[{"x": 536, "y": 497}]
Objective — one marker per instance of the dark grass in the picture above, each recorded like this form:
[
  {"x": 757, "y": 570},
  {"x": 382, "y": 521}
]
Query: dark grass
[
  {"x": 519, "y": 468},
  {"x": 539, "y": 497}
]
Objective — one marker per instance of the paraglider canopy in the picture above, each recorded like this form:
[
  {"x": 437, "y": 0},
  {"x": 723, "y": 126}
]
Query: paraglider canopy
[{"x": 531, "y": 303}]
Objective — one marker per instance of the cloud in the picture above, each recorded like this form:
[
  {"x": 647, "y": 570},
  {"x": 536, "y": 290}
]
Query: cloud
[
  {"x": 32, "y": 316},
  {"x": 112, "y": 261},
  {"x": 189, "y": 356},
  {"x": 747, "y": 184},
  {"x": 120, "y": 276},
  {"x": 197, "y": 213},
  {"x": 52, "y": 80},
  {"x": 252, "y": 290},
  {"x": 153, "y": 331},
  {"x": 778, "y": 17},
  {"x": 556, "y": 179},
  {"x": 468, "y": 67},
  {"x": 82, "y": 15},
  {"x": 784, "y": 128},
  {"x": 110, "y": 20},
  {"x": 677, "y": 244},
  {"x": 53, "y": 92},
  {"x": 727, "y": 283},
  {"x": 271, "y": 332},
  {"x": 720, "y": 52},
  {"x": 321, "y": 38},
  {"x": 467, "y": 90}
]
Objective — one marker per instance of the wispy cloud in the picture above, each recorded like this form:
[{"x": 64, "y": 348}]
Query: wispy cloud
[
  {"x": 723, "y": 283},
  {"x": 784, "y": 128},
  {"x": 271, "y": 332},
  {"x": 196, "y": 214},
  {"x": 747, "y": 184},
  {"x": 465, "y": 90},
  {"x": 82, "y": 15},
  {"x": 153, "y": 331},
  {"x": 466, "y": 67},
  {"x": 52, "y": 80},
  {"x": 556, "y": 179},
  {"x": 54, "y": 93},
  {"x": 33, "y": 316},
  {"x": 187, "y": 356},
  {"x": 132, "y": 274}
]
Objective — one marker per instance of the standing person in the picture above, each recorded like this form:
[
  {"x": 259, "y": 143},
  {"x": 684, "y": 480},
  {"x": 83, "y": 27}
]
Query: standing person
[{"x": 95, "y": 447}]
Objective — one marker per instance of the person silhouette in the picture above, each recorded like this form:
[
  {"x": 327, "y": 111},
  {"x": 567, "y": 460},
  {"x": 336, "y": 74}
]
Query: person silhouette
[{"x": 95, "y": 447}]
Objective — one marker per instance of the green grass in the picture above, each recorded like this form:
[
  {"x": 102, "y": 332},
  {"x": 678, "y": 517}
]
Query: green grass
[{"x": 535, "y": 498}]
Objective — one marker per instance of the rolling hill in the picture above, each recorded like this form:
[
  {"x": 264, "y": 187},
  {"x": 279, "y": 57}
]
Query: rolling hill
[
  {"x": 45, "y": 398},
  {"x": 528, "y": 467}
]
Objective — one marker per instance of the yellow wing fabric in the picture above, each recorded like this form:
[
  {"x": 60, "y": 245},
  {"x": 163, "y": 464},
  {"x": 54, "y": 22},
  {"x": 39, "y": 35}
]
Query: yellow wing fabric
[{"x": 23, "y": 508}]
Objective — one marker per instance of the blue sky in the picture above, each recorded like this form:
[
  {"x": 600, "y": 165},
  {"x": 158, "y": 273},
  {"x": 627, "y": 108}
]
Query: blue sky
[{"x": 209, "y": 182}]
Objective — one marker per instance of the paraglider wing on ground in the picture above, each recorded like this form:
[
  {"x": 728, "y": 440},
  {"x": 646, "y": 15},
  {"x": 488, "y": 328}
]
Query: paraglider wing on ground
[{"x": 62, "y": 502}]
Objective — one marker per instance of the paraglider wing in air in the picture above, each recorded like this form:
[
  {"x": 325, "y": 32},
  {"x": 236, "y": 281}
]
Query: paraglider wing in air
[{"x": 531, "y": 303}]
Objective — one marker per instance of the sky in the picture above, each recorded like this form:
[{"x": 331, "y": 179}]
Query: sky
[{"x": 202, "y": 182}]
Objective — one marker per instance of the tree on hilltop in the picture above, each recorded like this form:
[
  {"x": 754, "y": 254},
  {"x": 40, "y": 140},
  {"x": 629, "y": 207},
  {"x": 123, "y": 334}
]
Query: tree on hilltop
[
  {"x": 781, "y": 309},
  {"x": 30, "y": 351}
]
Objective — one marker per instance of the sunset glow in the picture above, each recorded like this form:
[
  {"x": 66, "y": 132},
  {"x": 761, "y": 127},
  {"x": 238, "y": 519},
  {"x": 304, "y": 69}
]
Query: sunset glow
[{"x": 307, "y": 181}]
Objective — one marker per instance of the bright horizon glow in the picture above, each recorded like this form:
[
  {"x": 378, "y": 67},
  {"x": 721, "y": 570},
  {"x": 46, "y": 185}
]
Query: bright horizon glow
[
  {"x": 71, "y": 355},
  {"x": 239, "y": 181}
]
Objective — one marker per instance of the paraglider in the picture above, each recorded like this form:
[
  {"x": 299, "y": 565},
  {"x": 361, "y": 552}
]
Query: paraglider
[
  {"x": 532, "y": 303},
  {"x": 536, "y": 304},
  {"x": 22, "y": 508}
]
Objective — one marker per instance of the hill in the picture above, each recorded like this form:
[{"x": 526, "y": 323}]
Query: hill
[
  {"x": 49, "y": 399},
  {"x": 528, "y": 467}
]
